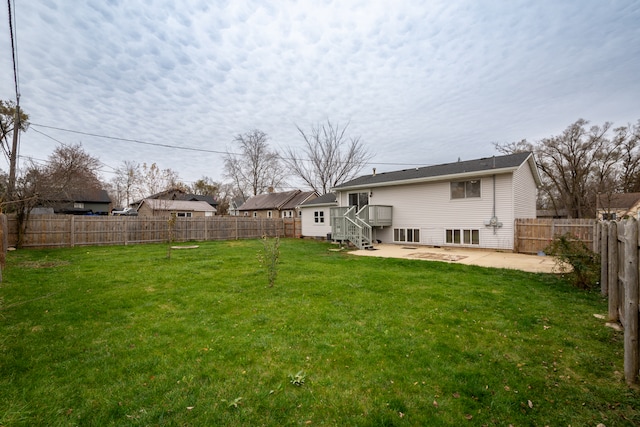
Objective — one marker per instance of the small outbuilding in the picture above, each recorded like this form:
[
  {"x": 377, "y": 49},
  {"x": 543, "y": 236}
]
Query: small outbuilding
[{"x": 316, "y": 216}]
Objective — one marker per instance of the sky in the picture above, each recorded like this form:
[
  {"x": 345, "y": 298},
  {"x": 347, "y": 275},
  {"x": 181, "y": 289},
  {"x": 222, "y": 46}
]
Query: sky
[{"x": 172, "y": 82}]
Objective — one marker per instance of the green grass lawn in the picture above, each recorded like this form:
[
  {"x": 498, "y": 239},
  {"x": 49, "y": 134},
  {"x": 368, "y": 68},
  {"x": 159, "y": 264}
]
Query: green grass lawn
[{"x": 127, "y": 336}]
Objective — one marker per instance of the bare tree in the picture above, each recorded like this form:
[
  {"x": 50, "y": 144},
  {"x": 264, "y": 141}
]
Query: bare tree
[
  {"x": 30, "y": 186},
  {"x": 154, "y": 180},
  {"x": 255, "y": 168},
  {"x": 205, "y": 186},
  {"x": 628, "y": 139},
  {"x": 328, "y": 157},
  {"x": 582, "y": 163},
  {"x": 70, "y": 170},
  {"x": 127, "y": 182}
]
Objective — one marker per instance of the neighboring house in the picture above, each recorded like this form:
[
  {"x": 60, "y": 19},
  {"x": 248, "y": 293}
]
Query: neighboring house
[
  {"x": 467, "y": 203},
  {"x": 234, "y": 206},
  {"x": 178, "y": 194},
  {"x": 617, "y": 206},
  {"x": 316, "y": 216},
  {"x": 86, "y": 202},
  {"x": 179, "y": 208},
  {"x": 276, "y": 205}
]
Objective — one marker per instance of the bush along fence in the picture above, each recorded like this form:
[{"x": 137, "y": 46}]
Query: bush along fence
[
  {"x": 619, "y": 247},
  {"x": 47, "y": 231}
]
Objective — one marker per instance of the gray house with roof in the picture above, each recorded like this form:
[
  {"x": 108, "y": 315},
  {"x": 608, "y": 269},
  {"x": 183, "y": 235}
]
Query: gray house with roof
[
  {"x": 276, "y": 205},
  {"x": 470, "y": 203}
]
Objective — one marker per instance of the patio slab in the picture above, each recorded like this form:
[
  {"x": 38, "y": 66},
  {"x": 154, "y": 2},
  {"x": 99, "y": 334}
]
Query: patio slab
[{"x": 479, "y": 257}]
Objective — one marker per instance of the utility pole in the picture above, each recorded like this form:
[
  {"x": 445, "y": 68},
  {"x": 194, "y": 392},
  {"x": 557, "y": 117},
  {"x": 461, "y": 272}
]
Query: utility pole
[{"x": 13, "y": 155}]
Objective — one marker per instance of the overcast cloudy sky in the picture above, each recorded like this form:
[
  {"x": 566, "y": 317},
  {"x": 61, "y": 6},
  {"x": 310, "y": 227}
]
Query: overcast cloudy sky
[{"x": 421, "y": 82}]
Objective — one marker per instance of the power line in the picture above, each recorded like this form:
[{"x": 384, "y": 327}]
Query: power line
[
  {"x": 13, "y": 53},
  {"x": 137, "y": 141},
  {"x": 203, "y": 150}
]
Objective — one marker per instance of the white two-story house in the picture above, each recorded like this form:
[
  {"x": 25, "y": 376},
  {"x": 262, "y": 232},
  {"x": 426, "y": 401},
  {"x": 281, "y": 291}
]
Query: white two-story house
[{"x": 471, "y": 203}]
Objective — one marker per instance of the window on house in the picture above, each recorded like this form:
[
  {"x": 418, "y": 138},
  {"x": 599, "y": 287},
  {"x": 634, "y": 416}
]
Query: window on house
[
  {"x": 269, "y": 214},
  {"x": 183, "y": 214},
  {"x": 406, "y": 235},
  {"x": 466, "y": 237},
  {"x": 465, "y": 189},
  {"x": 318, "y": 217},
  {"x": 255, "y": 214},
  {"x": 78, "y": 205},
  {"x": 609, "y": 216}
]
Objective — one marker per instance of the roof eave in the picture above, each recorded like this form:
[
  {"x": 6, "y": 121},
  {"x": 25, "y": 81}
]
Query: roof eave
[{"x": 485, "y": 172}]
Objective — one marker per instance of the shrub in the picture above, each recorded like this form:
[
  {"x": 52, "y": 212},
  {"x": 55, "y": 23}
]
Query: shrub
[
  {"x": 571, "y": 251},
  {"x": 269, "y": 257}
]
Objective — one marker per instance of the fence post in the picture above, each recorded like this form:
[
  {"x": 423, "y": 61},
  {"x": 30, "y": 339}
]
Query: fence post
[
  {"x": 631, "y": 301},
  {"x": 602, "y": 228},
  {"x": 4, "y": 242},
  {"x": 612, "y": 258},
  {"x": 72, "y": 230}
]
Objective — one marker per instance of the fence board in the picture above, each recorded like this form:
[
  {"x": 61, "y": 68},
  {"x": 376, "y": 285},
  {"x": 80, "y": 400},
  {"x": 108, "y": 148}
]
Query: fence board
[
  {"x": 622, "y": 256},
  {"x": 68, "y": 230},
  {"x": 533, "y": 235}
]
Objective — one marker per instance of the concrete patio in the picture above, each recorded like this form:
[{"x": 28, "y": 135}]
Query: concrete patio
[{"x": 479, "y": 257}]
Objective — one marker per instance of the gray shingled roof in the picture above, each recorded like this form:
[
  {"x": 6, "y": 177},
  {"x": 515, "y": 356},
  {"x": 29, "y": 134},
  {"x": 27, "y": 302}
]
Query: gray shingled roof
[
  {"x": 298, "y": 199},
  {"x": 325, "y": 199},
  {"x": 269, "y": 201},
  {"x": 510, "y": 161}
]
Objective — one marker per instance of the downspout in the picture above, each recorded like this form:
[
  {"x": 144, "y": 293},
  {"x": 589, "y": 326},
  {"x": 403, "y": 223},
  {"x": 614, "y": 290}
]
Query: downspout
[{"x": 493, "y": 217}]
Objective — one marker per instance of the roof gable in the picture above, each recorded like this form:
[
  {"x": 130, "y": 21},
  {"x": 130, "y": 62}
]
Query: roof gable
[
  {"x": 495, "y": 164},
  {"x": 268, "y": 201},
  {"x": 299, "y": 199}
]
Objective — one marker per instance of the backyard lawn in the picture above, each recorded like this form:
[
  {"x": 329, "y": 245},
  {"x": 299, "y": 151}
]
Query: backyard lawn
[{"x": 126, "y": 335}]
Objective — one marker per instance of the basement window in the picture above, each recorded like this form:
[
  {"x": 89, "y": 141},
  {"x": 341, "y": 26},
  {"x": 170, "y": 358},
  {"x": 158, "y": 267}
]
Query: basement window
[
  {"x": 462, "y": 237},
  {"x": 406, "y": 235}
]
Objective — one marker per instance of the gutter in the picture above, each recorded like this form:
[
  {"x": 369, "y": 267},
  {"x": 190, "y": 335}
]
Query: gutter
[{"x": 449, "y": 177}]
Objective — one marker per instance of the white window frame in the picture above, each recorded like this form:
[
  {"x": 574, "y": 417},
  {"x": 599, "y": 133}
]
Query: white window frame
[
  {"x": 466, "y": 191},
  {"x": 318, "y": 217},
  {"x": 184, "y": 214},
  {"x": 462, "y": 236},
  {"x": 406, "y": 235}
]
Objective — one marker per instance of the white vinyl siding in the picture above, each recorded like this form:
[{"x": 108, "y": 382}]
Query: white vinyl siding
[
  {"x": 311, "y": 228},
  {"x": 524, "y": 186},
  {"x": 429, "y": 207}
]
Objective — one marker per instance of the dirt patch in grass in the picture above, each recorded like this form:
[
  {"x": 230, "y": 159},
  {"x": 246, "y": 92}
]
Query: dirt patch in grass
[{"x": 43, "y": 264}]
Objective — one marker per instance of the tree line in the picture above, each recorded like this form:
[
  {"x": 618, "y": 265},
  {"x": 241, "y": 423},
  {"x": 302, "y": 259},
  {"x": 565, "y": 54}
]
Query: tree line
[
  {"x": 578, "y": 166},
  {"x": 584, "y": 164},
  {"x": 251, "y": 167}
]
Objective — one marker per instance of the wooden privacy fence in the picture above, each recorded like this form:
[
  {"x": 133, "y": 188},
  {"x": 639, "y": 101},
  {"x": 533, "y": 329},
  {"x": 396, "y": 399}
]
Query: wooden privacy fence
[
  {"x": 69, "y": 230},
  {"x": 619, "y": 249},
  {"x": 532, "y": 235}
]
